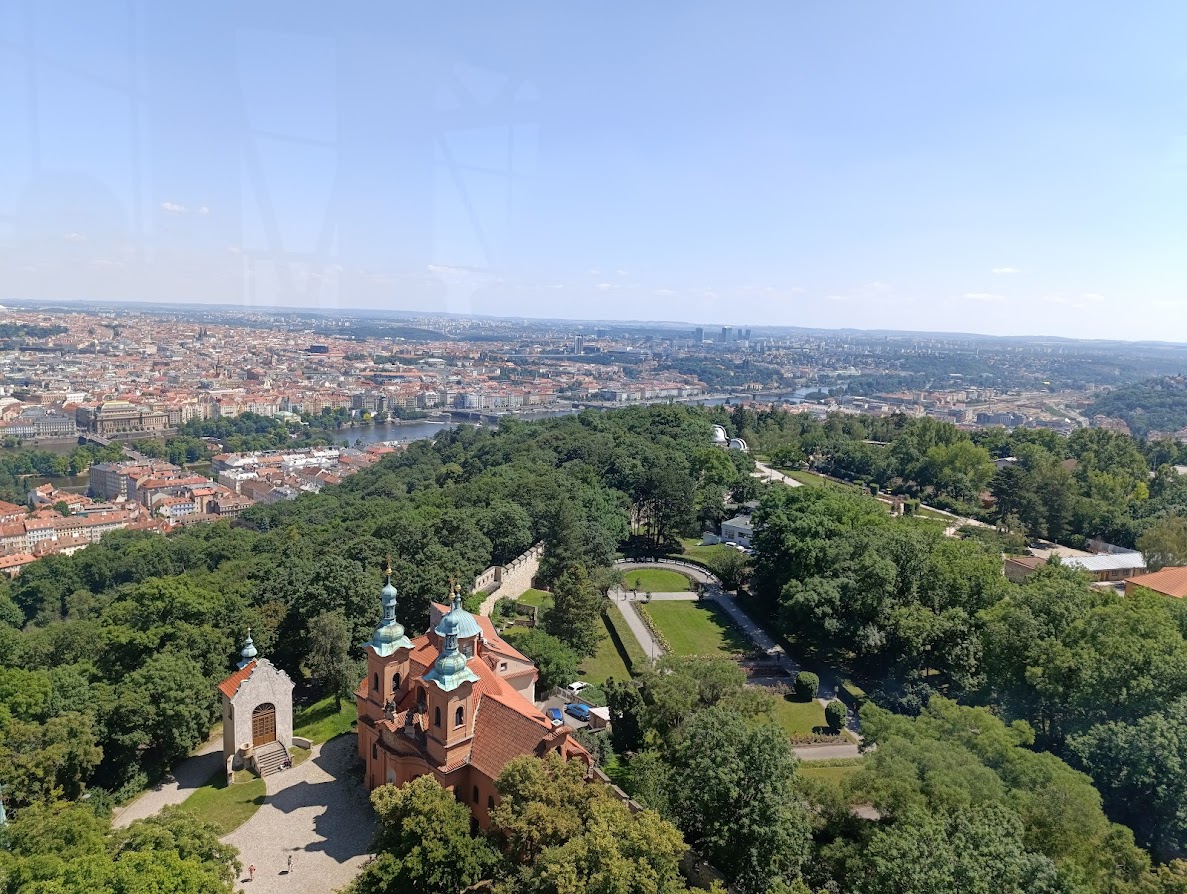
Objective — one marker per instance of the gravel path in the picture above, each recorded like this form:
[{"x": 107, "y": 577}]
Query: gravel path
[
  {"x": 318, "y": 814},
  {"x": 770, "y": 474},
  {"x": 191, "y": 773}
]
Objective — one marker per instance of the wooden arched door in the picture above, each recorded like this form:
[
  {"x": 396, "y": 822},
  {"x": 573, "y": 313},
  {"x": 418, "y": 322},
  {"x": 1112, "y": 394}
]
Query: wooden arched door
[{"x": 263, "y": 724}]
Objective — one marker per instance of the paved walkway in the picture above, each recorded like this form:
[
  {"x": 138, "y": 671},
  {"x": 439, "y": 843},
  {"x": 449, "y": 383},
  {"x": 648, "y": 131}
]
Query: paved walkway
[
  {"x": 825, "y": 752},
  {"x": 765, "y": 471},
  {"x": 192, "y": 773},
  {"x": 318, "y": 814}
]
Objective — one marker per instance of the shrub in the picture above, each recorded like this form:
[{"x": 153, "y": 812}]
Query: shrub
[
  {"x": 806, "y": 686},
  {"x": 835, "y": 714}
]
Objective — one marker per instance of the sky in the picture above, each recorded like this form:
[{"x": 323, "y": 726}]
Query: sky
[{"x": 1004, "y": 167}]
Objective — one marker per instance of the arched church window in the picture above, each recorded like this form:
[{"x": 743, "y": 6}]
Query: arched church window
[
  {"x": 459, "y": 716},
  {"x": 490, "y": 802},
  {"x": 374, "y": 751},
  {"x": 396, "y": 682},
  {"x": 475, "y": 794},
  {"x": 437, "y": 716},
  {"x": 375, "y": 681}
]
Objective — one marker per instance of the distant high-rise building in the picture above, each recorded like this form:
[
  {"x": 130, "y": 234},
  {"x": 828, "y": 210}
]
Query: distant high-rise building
[
  {"x": 698, "y": 335},
  {"x": 745, "y": 335},
  {"x": 727, "y": 333},
  {"x": 602, "y": 333},
  {"x": 579, "y": 344}
]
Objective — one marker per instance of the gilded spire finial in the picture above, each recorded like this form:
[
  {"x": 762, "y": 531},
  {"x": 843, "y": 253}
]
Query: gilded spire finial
[{"x": 388, "y": 569}]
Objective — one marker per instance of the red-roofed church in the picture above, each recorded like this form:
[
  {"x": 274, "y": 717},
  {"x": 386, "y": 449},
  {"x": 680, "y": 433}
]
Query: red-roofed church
[{"x": 456, "y": 702}]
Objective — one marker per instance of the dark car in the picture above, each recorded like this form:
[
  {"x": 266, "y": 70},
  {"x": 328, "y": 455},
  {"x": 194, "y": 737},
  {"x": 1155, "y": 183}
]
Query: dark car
[
  {"x": 554, "y": 714},
  {"x": 578, "y": 710}
]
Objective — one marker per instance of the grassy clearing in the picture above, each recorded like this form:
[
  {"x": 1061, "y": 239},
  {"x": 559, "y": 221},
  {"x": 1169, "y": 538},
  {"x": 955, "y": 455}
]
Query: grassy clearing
[
  {"x": 924, "y": 512},
  {"x": 299, "y": 755},
  {"x": 812, "y": 478},
  {"x": 696, "y": 628},
  {"x": 698, "y": 552},
  {"x": 536, "y": 598},
  {"x": 828, "y": 773},
  {"x": 606, "y": 663},
  {"x": 656, "y": 580},
  {"x": 800, "y": 718},
  {"x": 628, "y": 646},
  {"x": 320, "y": 722},
  {"x": 227, "y": 807}
]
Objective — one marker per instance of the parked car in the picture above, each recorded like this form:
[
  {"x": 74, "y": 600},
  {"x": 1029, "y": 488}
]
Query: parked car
[
  {"x": 578, "y": 710},
  {"x": 574, "y": 688},
  {"x": 555, "y": 715}
]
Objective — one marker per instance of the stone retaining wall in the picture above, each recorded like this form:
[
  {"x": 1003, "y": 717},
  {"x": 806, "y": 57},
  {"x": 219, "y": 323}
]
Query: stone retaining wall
[{"x": 509, "y": 581}]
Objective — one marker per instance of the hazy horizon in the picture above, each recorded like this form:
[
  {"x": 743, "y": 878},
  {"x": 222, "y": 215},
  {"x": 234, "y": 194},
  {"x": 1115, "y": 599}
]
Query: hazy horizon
[{"x": 994, "y": 170}]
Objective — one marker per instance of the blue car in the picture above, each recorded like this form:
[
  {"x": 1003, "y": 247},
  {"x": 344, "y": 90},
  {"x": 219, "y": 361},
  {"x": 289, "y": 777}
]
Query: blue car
[
  {"x": 554, "y": 714},
  {"x": 578, "y": 710}
]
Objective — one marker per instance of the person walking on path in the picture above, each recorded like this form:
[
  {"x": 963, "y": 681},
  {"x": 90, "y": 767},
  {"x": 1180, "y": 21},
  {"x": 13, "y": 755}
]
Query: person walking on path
[{"x": 251, "y": 872}]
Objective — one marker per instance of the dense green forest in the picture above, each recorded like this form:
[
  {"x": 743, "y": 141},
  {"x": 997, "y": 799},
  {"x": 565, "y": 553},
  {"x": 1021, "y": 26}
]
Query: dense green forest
[
  {"x": 1016, "y": 725},
  {"x": 1154, "y": 405}
]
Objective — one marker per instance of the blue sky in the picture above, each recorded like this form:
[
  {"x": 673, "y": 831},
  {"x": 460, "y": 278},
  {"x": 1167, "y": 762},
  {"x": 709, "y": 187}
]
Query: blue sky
[{"x": 1005, "y": 167}]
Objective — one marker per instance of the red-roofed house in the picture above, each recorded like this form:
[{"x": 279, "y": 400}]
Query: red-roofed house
[{"x": 455, "y": 702}]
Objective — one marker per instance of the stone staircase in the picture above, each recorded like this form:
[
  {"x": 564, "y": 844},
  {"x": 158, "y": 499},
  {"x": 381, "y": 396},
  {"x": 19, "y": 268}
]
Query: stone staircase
[{"x": 270, "y": 758}]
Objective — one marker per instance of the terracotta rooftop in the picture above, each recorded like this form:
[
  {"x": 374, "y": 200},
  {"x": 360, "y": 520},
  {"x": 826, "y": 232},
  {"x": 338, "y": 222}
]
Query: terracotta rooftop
[
  {"x": 230, "y": 686},
  {"x": 1169, "y": 581}
]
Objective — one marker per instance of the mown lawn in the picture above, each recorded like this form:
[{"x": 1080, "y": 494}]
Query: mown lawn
[
  {"x": 606, "y": 663},
  {"x": 319, "y": 722},
  {"x": 536, "y": 598},
  {"x": 813, "y": 479},
  {"x": 799, "y": 718},
  {"x": 694, "y": 549},
  {"x": 227, "y": 807},
  {"x": 655, "y": 580},
  {"x": 696, "y": 628},
  {"x": 830, "y": 772}
]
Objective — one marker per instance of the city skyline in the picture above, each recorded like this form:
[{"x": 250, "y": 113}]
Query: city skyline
[{"x": 1003, "y": 171}]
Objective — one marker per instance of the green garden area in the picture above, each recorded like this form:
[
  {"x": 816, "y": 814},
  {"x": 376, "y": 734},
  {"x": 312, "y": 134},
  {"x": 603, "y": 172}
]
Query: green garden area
[
  {"x": 227, "y": 807},
  {"x": 707, "y": 554},
  {"x": 656, "y": 580},
  {"x": 607, "y": 662},
  {"x": 799, "y": 718},
  {"x": 321, "y": 721},
  {"x": 536, "y": 598},
  {"x": 695, "y": 628}
]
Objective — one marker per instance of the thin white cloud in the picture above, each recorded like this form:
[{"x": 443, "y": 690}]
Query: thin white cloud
[
  {"x": 836, "y": 298},
  {"x": 1005, "y": 271},
  {"x": 179, "y": 209},
  {"x": 623, "y": 272},
  {"x": 605, "y": 286},
  {"x": 983, "y": 296},
  {"x": 75, "y": 237},
  {"x": 1093, "y": 297},
  {"x": 663, "y": 293}
]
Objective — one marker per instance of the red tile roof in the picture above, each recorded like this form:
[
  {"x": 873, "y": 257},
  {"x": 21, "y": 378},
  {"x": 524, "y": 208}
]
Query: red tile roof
[
  {"x": 230, "y": 686},
  {"x": 1169, "y": 581}
]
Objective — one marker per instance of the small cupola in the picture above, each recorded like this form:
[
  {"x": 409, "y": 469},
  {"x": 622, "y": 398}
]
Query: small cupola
[{"x": 389, "y": 635}]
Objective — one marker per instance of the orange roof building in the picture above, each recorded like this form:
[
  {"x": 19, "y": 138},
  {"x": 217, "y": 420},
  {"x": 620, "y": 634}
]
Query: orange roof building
[
  {"x": 1170, "y": 581},
  {"x": 455, "y": 702}
]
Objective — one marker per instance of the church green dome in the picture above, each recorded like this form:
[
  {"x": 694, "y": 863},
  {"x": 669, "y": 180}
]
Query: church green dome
[
  {"x": 389, "y": 635},
  {"x": 450, "y": 670},
  {"x": 466, "y": 626}
]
